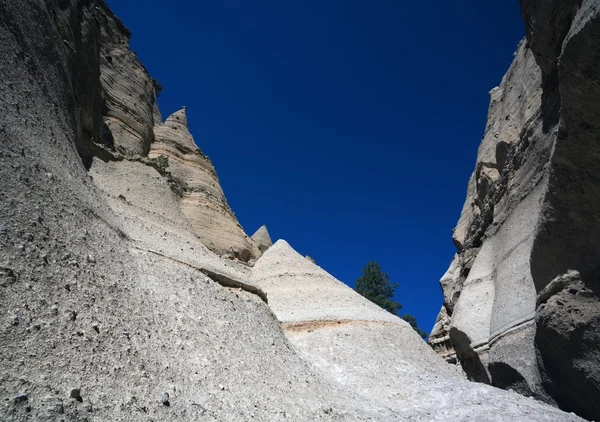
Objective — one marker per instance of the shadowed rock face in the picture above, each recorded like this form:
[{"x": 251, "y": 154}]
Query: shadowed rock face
[
  {"x": 530, "y": 219},
  {"x": 262, "y": 239},
  {"x": 202, "y": 199},
  {"x": 128, "y": 90}
]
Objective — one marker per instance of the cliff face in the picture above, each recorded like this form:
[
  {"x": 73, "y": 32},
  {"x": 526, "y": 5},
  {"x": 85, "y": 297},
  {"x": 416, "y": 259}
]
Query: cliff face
[
  {"x": 202, "y": 199},
  {"x": 102, "y": 318},
  {"x": 127, "y": 89},
  {"x": 117, "y": 304},
  {"x": 522, "y": 291}
]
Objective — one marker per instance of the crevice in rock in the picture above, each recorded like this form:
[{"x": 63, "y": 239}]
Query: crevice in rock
[{"x": 221, "y": 279}]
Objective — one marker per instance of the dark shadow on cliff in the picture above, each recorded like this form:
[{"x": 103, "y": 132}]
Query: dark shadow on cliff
[
  {"x": 469, "y": 359},
  {"x": 506, "y": 377},
  {"x": 567, "y": 339}
]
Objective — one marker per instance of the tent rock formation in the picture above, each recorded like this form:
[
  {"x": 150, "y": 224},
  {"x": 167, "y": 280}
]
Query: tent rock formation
[
  {"x": 203, "y": 201},
  {"x": 262, "y": 239},
  {"x": 118, "y": 302}
]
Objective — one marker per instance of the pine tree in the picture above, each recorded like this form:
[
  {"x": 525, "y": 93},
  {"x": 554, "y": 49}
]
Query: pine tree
[
  {"x": 375, "y": 285},
  {"x": 413, "y": 323}
]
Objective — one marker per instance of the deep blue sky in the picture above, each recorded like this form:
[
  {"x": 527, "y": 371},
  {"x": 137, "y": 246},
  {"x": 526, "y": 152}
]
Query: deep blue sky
[{"x": 349, "y": 127}]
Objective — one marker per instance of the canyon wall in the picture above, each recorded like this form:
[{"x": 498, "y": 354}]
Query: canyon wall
[
  {"x": 202, "y": 199},
  {"x": 522, "y": 294},
  {"x": 119, "y": 301}
]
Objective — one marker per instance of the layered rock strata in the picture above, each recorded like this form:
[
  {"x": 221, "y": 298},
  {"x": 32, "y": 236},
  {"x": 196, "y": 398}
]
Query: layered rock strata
[
  {"x": 113, "y": 309},
  {"x": 127, "y": 90},
  {"x": 522, "y": 292},
  {"x": 202, "y": 199},
  {"x": 360, "y": 347},
  {"x": 92, "y": 326}
]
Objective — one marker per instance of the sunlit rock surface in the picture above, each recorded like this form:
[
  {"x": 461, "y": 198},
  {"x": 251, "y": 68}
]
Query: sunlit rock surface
[
  {"x": 530, "y": 221},
  {"x": 114, "y": 307},
  {"x": 262, "y": 239},
  {"x": 202, "y": 199}
]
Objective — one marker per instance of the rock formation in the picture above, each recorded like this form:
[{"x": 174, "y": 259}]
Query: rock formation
[
  {"x": 262, "y": 239},
  {"x": 439, "y": 338},
  {"x": 127, "y": 90},
  {"x": 116, "y": 301},
  {"x": 360, "y": 347},
  {"x": 523, "y": 290},
  {"x": 203, "y": 201}
]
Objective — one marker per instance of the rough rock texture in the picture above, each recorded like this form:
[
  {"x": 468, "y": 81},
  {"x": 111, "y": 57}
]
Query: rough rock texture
[
  {"x": 150, "y": 217},
  {"x": 360, "y": 347},
  {"x": 113, "y": 309},
  {"x": 202, "y": 199},
  {"x": 262, "y": 239},
  {"x": 530, "y": 221},
  {"x": 439, "y": 338},
  {"x": 92, "y": 327},
  {"x": 127, "y": 89}
]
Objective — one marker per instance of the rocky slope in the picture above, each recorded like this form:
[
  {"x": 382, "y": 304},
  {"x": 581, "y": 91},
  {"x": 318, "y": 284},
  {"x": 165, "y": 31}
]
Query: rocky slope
[
  {"x": 364, "y": 349},
  {"x": 114, "y": 306},
  {"x": 522, "y": 291}
]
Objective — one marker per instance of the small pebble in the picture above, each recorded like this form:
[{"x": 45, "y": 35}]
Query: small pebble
[
  {"x": 76, "y": 394},
  {"x": 21, "y": 398}
]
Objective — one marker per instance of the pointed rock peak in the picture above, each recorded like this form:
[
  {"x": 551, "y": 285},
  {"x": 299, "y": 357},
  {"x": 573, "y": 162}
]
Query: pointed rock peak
[
  {"x": 262, "y": 239},
  {"x": 282, "y": 244},
  {"x": 281, "y": 250},
  {"x": 175, "y": 130},
  {"x": 178, "y": 119}
]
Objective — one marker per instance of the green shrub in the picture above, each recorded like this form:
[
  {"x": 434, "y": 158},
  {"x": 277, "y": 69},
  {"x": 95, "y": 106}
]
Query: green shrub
[{"x": 162, "y": 162}]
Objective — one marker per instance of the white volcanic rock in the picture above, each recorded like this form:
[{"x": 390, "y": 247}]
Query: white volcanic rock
[
  {"x": 523, "y": 291},
  {"x": 93, "y": 327},
  {"x": 150, "y": 216},
  {"x": 262, "y": 239},
  {"x": 439, "y": 337},
  {"x": 202, "y": 200},
  {"x": 127, "y": 90},
  {"x": 109, "y": 306},
  {"x": 361, "y": 347},
  {"x": 309, "y": 293}
]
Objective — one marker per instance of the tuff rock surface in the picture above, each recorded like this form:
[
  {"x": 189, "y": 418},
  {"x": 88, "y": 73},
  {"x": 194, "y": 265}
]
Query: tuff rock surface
[
  {"x": 127, "y": 89},
  {"x": 522, "y": 294},
  {"x": 362, "y": 348},
  {"x": 114, "y": 307},
  {"x": 202, "y": 199},
  {"x": 262, "y": 239}
]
